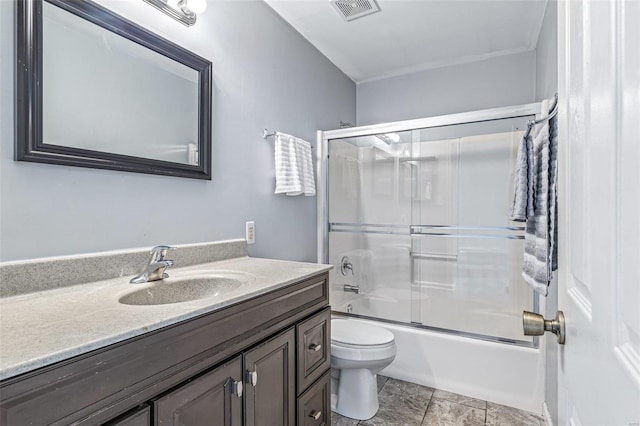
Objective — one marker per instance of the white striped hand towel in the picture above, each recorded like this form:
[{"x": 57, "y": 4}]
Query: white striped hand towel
[{"x": 294, "y": 166}]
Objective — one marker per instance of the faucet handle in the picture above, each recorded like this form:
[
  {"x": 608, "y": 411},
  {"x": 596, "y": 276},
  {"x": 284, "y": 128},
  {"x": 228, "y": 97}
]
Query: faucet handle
[
  {"x": 159, "y": 252},
  {"x": 166, "y": 262},
  {"x": 346, "y": 265}
]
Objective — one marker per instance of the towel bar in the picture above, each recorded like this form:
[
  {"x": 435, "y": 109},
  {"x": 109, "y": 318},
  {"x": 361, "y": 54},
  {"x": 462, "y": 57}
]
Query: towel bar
[{"x": 267, "y": 134}]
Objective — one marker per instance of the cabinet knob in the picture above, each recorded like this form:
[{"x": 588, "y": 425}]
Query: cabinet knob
[
  {"x": 315, "y": 347},
  {"x": 252, "y": 377},
  {"x": 315, "y": 414},
  {"x": 237, "y": 388}
]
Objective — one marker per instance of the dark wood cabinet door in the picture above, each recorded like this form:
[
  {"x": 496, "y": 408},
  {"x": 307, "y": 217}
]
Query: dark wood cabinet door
[
  {"x": 270, "y": 382},
  {"x": 214, "y": 398},
  {"x": 139, "y": 417}
]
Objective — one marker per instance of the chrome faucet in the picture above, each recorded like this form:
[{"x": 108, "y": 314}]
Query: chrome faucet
[
  {"x": 351, "y": 288},
  {"x": 346, "y": 265},
  {"x": 157, "y": 266}
]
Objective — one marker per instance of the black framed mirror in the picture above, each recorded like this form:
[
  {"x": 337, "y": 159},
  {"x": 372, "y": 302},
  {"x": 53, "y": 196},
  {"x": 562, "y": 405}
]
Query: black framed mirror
[{"x": 96, "y": 90}]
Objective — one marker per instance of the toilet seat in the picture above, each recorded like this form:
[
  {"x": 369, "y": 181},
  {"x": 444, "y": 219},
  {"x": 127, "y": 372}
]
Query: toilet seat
[
  {"x": 360, "y": 341},
  {"x": 350, "y": 334},
  {"x": 363, "y": 354},
  {"x": 361, "y": 347}
]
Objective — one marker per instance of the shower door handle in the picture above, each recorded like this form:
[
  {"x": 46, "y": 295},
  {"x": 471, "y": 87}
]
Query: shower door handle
[{"x": 535, "y": 325}]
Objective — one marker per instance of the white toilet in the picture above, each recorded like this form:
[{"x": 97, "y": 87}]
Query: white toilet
[{"x": 358, "y": 352}]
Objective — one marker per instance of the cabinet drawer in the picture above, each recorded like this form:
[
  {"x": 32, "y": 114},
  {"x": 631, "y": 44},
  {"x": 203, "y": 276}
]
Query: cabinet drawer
[
  {"x": 314, "y": 348},
  {"x": 314, "y": 406}
]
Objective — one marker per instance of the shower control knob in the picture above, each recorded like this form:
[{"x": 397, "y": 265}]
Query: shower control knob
[
  {"x": 346, "y": 266},
  {"x": 535, "y": 325}
]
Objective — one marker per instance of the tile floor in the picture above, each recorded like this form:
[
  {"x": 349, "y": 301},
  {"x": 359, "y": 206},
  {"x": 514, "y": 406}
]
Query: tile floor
[{"x": 408, "y": 404}]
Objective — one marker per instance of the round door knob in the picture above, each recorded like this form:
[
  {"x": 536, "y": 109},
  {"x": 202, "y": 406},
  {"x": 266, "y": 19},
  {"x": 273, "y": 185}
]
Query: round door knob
[{"x": 535, "y": 325}]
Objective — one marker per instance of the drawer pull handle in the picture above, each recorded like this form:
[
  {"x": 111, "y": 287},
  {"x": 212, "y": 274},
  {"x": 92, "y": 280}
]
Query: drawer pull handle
[
  {"x": 237, "y": 389},
  {"x": 315, "y": 347},
  {"x": 252, "y": 377},
  {"x": 315, "y": 414}
]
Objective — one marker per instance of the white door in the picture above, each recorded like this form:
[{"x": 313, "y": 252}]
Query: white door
[{"x": 599, "y": 280}]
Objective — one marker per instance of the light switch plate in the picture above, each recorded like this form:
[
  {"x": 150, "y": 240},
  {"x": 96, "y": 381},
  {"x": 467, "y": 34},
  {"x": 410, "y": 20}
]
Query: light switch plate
[{"x": 250, "y": 233}]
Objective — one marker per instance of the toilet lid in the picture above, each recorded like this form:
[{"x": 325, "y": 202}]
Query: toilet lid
[{"x": 359, "y": 333}]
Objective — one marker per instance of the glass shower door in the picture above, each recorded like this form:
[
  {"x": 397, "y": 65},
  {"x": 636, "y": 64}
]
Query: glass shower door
[
  {"x": 466, "y": 253},
  {"x": 370, "y": 192}
]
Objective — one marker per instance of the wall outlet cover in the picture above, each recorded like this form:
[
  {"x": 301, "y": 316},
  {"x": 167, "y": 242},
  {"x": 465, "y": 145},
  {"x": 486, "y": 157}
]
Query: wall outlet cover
[{"x": 250, "y": 232}]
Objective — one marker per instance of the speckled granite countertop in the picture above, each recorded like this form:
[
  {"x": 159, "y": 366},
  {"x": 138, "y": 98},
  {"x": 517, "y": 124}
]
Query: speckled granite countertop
[{"x": 45, "y": 327}]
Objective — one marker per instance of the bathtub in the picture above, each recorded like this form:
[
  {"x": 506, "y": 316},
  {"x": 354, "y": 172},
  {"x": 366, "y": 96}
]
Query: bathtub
[{"x": 499, "y": 372}]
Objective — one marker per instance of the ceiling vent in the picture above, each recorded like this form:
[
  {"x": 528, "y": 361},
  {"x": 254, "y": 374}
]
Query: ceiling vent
[{"x": 354, "y": 9}]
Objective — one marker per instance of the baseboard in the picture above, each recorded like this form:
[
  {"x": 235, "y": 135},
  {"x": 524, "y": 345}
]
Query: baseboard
[{"x": 546, "y": 414}]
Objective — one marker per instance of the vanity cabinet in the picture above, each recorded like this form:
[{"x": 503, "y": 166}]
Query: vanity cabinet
[{"x": 262, "y": 361}]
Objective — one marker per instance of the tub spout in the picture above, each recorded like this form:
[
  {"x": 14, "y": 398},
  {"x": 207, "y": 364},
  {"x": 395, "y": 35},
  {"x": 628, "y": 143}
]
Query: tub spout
[{"x": 352, "y": 288}]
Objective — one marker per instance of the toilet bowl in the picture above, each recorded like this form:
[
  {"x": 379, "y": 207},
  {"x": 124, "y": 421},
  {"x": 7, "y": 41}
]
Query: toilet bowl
[{"x": 359, "y": 351}]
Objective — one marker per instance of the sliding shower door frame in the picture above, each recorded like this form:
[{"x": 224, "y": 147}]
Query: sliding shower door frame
[{"x": 322, "y": 170}]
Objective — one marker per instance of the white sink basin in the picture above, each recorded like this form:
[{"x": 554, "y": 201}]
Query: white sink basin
[{"x": 187, "y": 288}]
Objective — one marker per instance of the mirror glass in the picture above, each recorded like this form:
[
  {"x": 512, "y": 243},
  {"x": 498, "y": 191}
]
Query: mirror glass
[
  {"x": 104, "y": 92},
  {"x": 97, "y": 90}
]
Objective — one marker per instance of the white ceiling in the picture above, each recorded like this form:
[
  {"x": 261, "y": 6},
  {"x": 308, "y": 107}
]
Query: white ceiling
[{"x": 413, "y": 35}]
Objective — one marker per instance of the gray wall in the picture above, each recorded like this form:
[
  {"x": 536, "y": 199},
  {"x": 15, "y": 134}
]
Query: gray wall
[
  {"x": 265, "y": 75},
  {"x": 496, "y": 82},
  {"x": 546, "y": 87}
]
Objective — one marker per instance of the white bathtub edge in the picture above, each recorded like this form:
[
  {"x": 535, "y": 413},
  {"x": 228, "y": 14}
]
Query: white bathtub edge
[{"x": 496, "y": 372}]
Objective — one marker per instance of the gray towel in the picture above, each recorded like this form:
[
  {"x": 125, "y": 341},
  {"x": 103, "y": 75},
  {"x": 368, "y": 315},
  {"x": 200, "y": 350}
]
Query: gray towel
[
  {"x": 535, "y": 201},
  {"x": 522, "y": 207}
]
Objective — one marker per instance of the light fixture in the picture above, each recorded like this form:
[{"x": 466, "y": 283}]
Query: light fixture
[
  {"x": 389, "y": 138},
  {"x": 195, "y": 6},
  {"x": 184, "y": 11}
]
